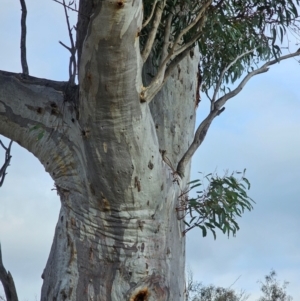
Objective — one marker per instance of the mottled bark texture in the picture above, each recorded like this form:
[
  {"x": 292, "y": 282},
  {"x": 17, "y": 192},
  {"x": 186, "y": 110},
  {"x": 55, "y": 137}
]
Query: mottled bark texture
[{"x": 117, "y": 236}]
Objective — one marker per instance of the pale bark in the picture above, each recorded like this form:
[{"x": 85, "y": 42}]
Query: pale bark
[{"x": 117, "y": 236}]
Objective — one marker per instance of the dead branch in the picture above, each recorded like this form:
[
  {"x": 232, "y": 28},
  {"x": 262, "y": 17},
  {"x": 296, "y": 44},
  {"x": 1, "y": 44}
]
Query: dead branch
[
  {"x": 23, "y": 38},
  {"x": 68, "y": 6},
  {"x": 6, "y": 162},
  {"x": 7, "y": 282},
  {"x": 72, "y": 49}
]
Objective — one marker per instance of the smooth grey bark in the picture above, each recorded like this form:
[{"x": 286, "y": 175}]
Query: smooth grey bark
[{"x": 112, "y": 159}]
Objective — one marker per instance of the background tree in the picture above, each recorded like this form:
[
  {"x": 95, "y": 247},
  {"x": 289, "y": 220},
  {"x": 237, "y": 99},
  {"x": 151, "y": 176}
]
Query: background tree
[
  {"x": 196, "y": 291},
  {"x": 272, "y": 290},
  {"x": 116, "y": 217}
]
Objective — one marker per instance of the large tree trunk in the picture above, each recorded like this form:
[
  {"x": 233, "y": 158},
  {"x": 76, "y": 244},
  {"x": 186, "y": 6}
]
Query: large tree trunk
[{"x": 118, "y": 236}]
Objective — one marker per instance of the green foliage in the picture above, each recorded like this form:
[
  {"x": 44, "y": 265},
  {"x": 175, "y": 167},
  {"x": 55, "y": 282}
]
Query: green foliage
[
  {"x": 237, "y": 27},
  {"x": 229, "y": 29},
  {"x": 218, "y": 205}
]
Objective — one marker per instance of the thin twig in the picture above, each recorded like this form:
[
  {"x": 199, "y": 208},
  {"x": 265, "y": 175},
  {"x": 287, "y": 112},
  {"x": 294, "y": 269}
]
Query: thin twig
[
  {"x": 72, "y": 49},
  {"x": 234, "y": 281},
  {"x": 152, "y": 34},
  {"x": 63, "y": 3},
  {"x": 64, "y": 45},
  {"x": 6, "y": 161},
  {"x": 23, "y": 38},
  {"x": 224, "y": 71},
  {"x": 151, "y": 15}
]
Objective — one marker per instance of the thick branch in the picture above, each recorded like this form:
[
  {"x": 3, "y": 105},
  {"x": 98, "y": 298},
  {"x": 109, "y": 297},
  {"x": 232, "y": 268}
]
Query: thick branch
[
  {"x": 31, "y": 102},
  {"x": 31, "y": 80},
  {"x": 7, "y": 282},
  {"x": 198, "y": 139},
  {"x": 218, "y": 109},
  {"x": 23, "y": 38},
  {"x": 148, "y": 93},
  {"x": 6, "y": 162}
]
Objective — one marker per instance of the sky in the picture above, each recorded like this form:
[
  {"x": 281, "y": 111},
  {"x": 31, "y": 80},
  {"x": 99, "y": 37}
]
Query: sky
[{"x": 259, "y": 131}]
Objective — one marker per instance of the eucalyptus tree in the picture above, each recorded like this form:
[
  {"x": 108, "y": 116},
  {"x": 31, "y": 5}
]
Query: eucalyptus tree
[{"x": 118, "y": 136}]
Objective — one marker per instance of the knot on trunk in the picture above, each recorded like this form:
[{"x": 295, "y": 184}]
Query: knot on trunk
[{"x": 141, "y": 295}]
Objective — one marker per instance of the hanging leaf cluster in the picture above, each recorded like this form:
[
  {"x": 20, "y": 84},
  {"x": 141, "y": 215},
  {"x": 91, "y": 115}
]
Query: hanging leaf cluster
[
  {"x": 237, "y": 27},
  {"x": 218, "y": 205},
  {"x": 229, "y": 29}
]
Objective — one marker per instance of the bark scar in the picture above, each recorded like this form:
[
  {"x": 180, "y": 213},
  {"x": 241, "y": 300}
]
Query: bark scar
[
  {"x": 141, "y": 295},
  {"x": 137, "y": 183}
]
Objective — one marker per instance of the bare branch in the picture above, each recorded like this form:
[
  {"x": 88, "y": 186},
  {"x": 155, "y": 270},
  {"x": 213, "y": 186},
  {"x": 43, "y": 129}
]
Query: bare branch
[
  {"x": 198, "y": 139},
  {"x": 152, "y": 34},
  {"x": 225, "y": 70},
  {"x": 71, "y": 8},
  {"x": 7, "y": 282},
  {"x": 72, "y": 49},
  {"x": 6, "y": 161},
  {"x": 218, "y": 109},
  {"x": 23, "y": 38},
  {"x": 64, "y": 45},
  {"x": 151, "y": 15},
  {"x": 264, "y": 68}
]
